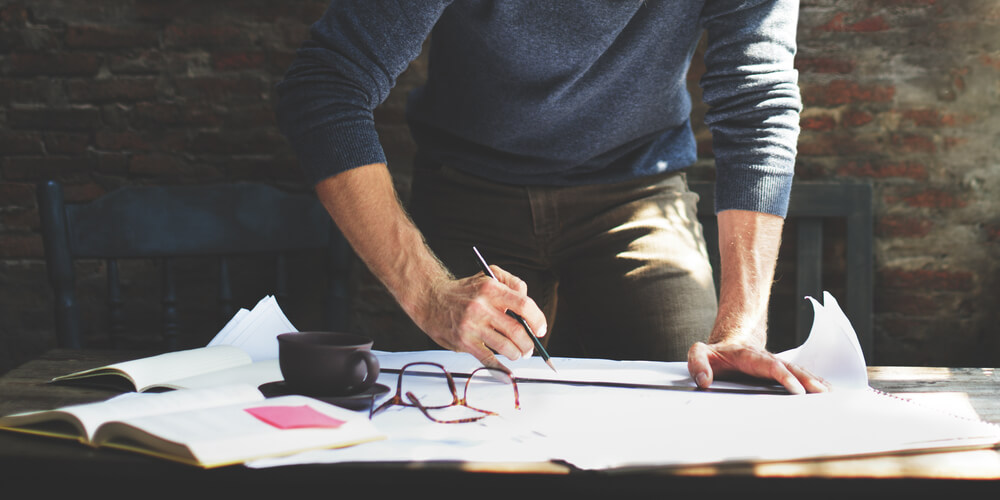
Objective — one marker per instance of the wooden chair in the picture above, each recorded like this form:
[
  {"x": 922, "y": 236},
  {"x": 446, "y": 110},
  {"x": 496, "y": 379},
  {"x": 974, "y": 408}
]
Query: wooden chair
[
  {"x": 223, "y": 221},
  {"x": 812, "y": 204}
]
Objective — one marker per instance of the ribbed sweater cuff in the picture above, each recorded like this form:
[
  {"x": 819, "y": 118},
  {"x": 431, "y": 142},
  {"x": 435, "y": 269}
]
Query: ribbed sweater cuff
[
  {"x": 338, "y": 147},
  {"x": 749, "y": 189}
]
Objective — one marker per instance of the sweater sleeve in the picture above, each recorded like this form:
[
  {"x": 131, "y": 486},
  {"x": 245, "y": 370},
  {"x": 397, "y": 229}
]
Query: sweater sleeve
[
  {"x": 341, "y": 73},
  {"x": 751, "y": 87}
]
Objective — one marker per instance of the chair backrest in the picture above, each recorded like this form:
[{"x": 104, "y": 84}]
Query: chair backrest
[
  {"x": 812, "y": 204},
  {"x": 169, "y": 222}
]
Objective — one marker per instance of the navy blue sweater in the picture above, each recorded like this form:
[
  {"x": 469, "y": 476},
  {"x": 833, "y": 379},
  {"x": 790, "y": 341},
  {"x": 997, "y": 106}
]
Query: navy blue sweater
[{"x": 555, "y": 92}]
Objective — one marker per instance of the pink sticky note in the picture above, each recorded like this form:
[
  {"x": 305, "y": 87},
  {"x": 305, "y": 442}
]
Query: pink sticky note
[{"x": 294, "y": 417}]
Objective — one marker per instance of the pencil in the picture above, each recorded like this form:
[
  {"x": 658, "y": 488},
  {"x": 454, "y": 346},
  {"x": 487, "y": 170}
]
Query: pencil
[{"x": 512, "y": 314}]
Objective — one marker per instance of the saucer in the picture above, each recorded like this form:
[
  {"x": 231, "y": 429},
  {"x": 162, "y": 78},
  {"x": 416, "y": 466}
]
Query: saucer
[{"x": 359, "y": 401}]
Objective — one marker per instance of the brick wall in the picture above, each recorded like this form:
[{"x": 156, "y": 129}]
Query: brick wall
[{"x": 903, "y": 94}]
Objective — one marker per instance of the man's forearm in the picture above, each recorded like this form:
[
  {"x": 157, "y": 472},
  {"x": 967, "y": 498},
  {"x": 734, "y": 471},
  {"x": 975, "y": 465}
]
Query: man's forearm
[
  {"x": 366, "y": 208},
  {"x": 748, "y": 248}
]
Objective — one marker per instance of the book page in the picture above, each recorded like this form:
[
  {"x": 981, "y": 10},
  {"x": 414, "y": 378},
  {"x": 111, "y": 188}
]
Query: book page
[
  {"x": 89, "y": 417},
  {"x": 228, "y": 434},
  {"x": 255, "y": 374},
  {"x": 160, "y": 369}
]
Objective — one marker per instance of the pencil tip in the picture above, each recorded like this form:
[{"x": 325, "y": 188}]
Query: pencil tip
[{"x": 549, "y": 362}]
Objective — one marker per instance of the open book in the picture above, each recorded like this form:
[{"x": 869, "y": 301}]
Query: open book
[
  {"x": 245, "y": 350},
  {"x": 204, "y": 427}
]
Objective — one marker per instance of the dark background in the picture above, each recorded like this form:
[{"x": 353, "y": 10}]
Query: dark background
[{"x": 903, "y": 94}]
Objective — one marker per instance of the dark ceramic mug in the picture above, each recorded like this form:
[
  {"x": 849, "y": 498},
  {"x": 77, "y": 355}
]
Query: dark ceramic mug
[{"x": 327, "y": 363}]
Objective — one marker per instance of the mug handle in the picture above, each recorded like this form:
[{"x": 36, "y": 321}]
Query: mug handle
[{"x": 372, "y": 365}]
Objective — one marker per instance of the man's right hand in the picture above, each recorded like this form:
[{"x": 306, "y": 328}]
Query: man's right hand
[{"x": 469, "y": 315}]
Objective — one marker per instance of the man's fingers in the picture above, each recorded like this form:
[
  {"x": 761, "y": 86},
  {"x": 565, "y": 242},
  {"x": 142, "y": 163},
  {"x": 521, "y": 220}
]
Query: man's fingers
[
  {"x": 501, "y": 342},
  {"x": 705, "y": 361},
  {"x": 490, "y": 361},
  {"x": 699, "y": 365},
  {"x": 781, "y": 374},
  {"x": 811, "y": 382},
  {"x": 515, "y": 283},
  {"x": 507, "y": 299}
]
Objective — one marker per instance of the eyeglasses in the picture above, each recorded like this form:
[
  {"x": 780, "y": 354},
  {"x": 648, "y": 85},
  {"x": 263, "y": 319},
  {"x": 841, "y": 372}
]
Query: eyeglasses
[{"x": 434, "y": 398}]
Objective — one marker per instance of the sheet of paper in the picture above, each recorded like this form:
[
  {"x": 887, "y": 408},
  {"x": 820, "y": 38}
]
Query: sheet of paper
[
  {"x": 832, "y": 350},
  {"x": 600, "y": 426},
  {"x": 256, "y": 331}
]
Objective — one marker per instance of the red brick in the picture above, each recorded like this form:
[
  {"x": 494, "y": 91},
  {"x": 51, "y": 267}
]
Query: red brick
[
  {"x": 53, "y": 64},
  {"x": 13, "y": 143},
  {"x": 954, "y": 142},
  {"x": 150, "y": 61},
  {"x": 17, "y": 194},
  {"x": 238, "y": 142},
  {"x": 22, "y": 91},
  {"x": 818, "y": 123},
  {"x": 931, "y": 279},
  {"x": 825, "y": 65},
  {"x": 866, "y": 25},
  {"x": 830, "y": 144},
  {"x": 14, "y": 15},
  {"x": 911, "y": 143},
  {"x": 934, "y": 118},
  {"x": 20, "y": 220},
  {"x": 903, "y": 3},
  {"x": 235, "y": 61},
  {"x": 924, "y": 198},
  {"x": 992, "y": 230},
  {"x": 66, "y": 143},
  {"x": 159, "y": 114},
  {"x": 109, "y": 140},
  {"x": 990, "y": 61},
  {"x": 261, "y": 169},
  {"x": 840, "y": 92},
  {"x": 900, "y": 226},
  {"x": 203, "y": 35},
  {"x": 856, "y": 118},
  {"x": 251, "y": 116},
  {"x": 880, "y": 170},
  {"x": 216, "y": 88},
  {"x": 45, "y": 167},
  {"x": 912, "y": 304},
  {"x": 77, "y": 118},
  {"x": 83, "y": 192},
  {"x": 16, "y": 245},
  {"x": 112, "y": 90},
  {"x": 156, "y": 164},
  {"x": 110, "y": 37}
]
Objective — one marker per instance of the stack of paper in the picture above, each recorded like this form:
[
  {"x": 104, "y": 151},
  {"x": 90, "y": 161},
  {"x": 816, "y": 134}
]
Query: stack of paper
[{"x": 256, "y": 331}]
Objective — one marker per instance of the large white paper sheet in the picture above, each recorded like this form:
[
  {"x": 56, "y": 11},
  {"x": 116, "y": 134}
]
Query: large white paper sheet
[{"x": 601, "y": 427}]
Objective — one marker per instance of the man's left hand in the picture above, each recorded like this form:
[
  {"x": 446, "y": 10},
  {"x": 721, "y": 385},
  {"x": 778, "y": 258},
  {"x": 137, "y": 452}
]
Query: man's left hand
[{"x": 708, "y": 361}]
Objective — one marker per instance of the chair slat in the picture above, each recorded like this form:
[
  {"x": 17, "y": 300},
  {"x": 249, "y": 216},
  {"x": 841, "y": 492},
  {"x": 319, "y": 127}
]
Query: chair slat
[
  {"x": 226, "y": 307},
  {"x": 808, "y": 272},
  {"x": 169, "y": 304},
  {"x": 116, "y": 304}
]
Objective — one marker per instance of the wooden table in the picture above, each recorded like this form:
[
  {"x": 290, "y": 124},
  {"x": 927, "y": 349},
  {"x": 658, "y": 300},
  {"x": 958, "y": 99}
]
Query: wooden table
[{"x": 46, "y": 462}]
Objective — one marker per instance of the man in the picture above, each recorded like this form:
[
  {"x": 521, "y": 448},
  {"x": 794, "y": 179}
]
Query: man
[{"x": 552, "y": 135}]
